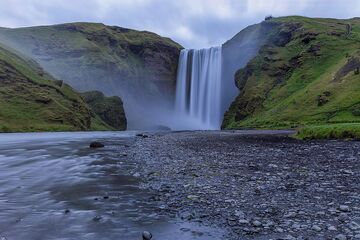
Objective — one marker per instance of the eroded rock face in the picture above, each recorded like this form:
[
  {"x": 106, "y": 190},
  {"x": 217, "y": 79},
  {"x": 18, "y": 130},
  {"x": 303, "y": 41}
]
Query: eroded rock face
[{"x": 109, "y": 109}]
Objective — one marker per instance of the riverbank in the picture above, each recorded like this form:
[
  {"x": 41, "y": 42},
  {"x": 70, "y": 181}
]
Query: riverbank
[
  {"x": 255, "y": 184},
  {"x": 204, "y": 185}
]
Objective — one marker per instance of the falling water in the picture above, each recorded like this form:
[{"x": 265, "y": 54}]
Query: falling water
[{"x": 198, "y": 90}]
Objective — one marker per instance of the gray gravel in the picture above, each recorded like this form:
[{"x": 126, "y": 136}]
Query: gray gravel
[{"x": 255, "y": 185}]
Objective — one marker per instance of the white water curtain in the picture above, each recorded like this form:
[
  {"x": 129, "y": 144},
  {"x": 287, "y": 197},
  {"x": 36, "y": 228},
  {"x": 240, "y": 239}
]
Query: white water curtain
[{"x": 198, "y": 90}]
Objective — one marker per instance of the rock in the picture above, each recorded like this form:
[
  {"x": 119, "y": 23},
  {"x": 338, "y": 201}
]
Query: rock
[
  {"x": 239, "y": 213},
  {"x": 243, "y": 221},
  {"x": 136, "y": 175},
  {"x": 354, "y": 226},
  {"x": 257, "y": 223},
  {"x": 96, "y": 145},
  {"x": 343, "y": 217},
  {"x": 316, "y": 228},
  {"x": 97, "y": 218},
  {"x": 146, "y": 235},
  {"x": 340, "y": 237},
  {"x": 192, "y": 197},
  {"x": 67, "y": 211},
  {"x": 357, "y": 236},
  {"x": 142, "y": 135},
  {"x": 344, "y": 208},
  {"x": 109, "y": 109},
  {"x": 332, "y": 228}
]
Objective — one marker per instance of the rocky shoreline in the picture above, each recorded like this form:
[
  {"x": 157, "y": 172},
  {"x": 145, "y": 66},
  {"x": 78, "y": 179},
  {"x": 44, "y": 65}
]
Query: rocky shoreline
[{"x": 255, "y": 185}]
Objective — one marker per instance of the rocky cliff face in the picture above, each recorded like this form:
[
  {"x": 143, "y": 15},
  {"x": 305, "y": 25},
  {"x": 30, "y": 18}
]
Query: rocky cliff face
[
  {"x": 109, "y": 109},
  {"x": 140, "y": 67},
  {"x": 32, "y": 100},
  {"x": 304, "y": 73}
]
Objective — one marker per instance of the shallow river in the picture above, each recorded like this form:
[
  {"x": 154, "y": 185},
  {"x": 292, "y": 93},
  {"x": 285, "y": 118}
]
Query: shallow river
[{"x": 53, "y": 186}]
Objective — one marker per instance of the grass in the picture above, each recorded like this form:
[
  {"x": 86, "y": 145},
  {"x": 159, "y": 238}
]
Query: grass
[
  {"x": 31, "y": 101},
  {"x": 330, "y": 131},
  {"x": 92, "y": 56},
  {"x": 273, "y": 98}
]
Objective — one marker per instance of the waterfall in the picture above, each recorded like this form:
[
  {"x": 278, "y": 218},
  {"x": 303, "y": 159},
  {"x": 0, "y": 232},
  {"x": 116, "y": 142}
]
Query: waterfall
[{"x": 198, "y": 90}]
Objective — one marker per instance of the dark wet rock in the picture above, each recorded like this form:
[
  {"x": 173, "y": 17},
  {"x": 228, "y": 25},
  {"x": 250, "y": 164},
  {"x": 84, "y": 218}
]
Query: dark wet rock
[
  {"x": 67, "y": 211},
  {"x": 96, "y": 145},
  {"x": 146, "y": 235},
  {"x": 97, "y": 218},
  {"x": 142, "y": 135}
]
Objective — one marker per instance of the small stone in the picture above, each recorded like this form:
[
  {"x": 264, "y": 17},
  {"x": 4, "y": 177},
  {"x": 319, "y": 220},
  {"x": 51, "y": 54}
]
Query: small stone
[
  {"x": 256, "y": 223},
  {"x": 344, "y": 208},
  {"x": 136, "y": 175},
  {"x": 146, "y": 235},
  {"x": 96, "y": 145},
  {"x": 192, "y": 197},
  {"x": 67, "y": 211},
  {"x": 296, "y": 226},
  {"x": 343, "y": 217},
  {"x": 239, "y": 213},
  {"x": 243, "y": 221},
  {"x": 279, "y": 230},
  {"x": 290, "y": 215},
  {"x": 340, "y": 237},
  {"x": 316, "y": 228},
  {"x": 142, "y": 135},
  {"x": 97, "y": 218},
  {"x": 354, "y": 226},
  {"x": 106, "y": 197},
  {"x": 332, "y": 228}
]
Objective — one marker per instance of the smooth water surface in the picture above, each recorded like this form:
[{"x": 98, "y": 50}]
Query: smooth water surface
[{"x": 53, "y": 186}]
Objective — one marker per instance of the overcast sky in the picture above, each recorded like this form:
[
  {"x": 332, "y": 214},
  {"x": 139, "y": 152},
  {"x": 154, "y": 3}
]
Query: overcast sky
[{"x": 192, "y": 23}]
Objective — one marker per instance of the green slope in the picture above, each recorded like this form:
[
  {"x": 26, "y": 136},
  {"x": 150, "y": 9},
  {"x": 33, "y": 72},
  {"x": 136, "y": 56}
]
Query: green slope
[
  {"x": 31, "y": 100},
  {"x": 109, "y": 109},
  {"x": 305, "y": 74},
  {"x": 138, "y": 66}
]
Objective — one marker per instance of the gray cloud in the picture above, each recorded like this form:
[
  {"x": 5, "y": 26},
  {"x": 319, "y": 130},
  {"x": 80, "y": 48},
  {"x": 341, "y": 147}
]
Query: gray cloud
[{"x": 192, "y": 23}]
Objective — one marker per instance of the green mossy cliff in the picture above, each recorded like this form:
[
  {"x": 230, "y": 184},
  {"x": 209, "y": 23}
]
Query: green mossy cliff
[
  {"x": 32, "y": 100},
  {"x": 306, "y": 73},
  {"x": 138, "y": 66},
  {"x": 93, "y": 56},
  {"x": 109, "y": 109}
]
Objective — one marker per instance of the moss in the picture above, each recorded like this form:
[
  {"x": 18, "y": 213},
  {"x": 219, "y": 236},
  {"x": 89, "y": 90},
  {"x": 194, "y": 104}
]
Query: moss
[
  {"x": 330, "y": 131},
  {"x": 309, "y": 80},
  {"x": 92, "y": 56},
  {"x": 31, "y": 100},
  {"x": 109, "y": 109}
]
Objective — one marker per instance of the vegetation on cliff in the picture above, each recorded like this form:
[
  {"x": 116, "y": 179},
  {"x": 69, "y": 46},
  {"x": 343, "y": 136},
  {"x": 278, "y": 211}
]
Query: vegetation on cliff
[
  {"x": 306, "y": 73},
  {"x": 109, "y": 109},
  {"x": 138, "y": 66},
  {"x": 32, "y": 100}
]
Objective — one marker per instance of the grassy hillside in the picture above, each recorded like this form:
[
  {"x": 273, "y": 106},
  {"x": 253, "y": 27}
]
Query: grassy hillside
[
  {"x": 305, "y": 74},
  {"x": 138, "y": 66},
  {"x": 109, "y": 109},
  {"x": 31, "y": 100}
]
